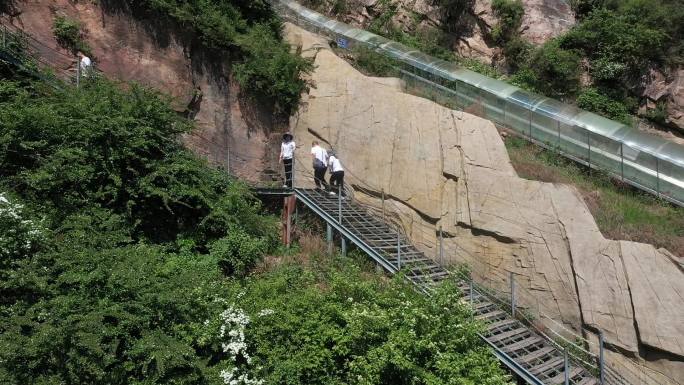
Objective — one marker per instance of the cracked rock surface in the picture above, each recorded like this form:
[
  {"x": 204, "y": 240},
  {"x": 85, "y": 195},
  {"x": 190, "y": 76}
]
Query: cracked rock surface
[{"x": 443, "y": 168}]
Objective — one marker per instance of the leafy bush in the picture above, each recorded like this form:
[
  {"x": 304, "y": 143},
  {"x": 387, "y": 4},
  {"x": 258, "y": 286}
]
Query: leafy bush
[
  {"x": 69, "y": 35},
  {"x": 112, "y": 284},
  {"x": 557, "y": 70},
  {"x": 593, "y": 100},
  {"x": 582, "y": 8},
  {"x": 238, "y": 252},
  {"x": 517, "y": 52},
  {"x": 616, "y": 40},
  {"x": 526, "y": 79},
  {"x": 102, "y": 147},
  {"x": 20, "y": 237},
  {"x": 250, "y": 29},
  {"x": 431, "y": 41},
  {"x": 510, "y": 14},
  {"x": 282, "y": 328},
  {"x": 373, "y": 63},
  {"x": 658, "y": 114},
  {"x": 270, "y": 69},
  {"x": 454, "y": 14}
]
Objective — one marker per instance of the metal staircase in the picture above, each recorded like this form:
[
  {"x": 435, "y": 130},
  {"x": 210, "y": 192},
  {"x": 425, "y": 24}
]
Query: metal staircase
[{"x": 528, "y": 354}]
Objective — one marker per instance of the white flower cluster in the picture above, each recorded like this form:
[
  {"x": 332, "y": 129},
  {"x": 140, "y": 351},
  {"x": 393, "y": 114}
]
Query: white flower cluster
[
  {"x": 231, "y": 377},
  {"x": 266, "y": 312},
  {"x": 17, "y": 235},
  {"x": 234, "y": 323}
]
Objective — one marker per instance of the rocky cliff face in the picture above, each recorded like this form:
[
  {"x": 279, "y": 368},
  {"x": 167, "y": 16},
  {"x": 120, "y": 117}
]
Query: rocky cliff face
[
  {"x": 543, "y": 20},
  {"x": 444, "y": 168},
  {"x": 669, "y": 91},
  {"x": 232, "y": 131}
]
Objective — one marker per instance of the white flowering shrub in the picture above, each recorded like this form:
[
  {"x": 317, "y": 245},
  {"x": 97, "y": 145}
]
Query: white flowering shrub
[
  {"x": 19, "y": 236},
  {"x": 234, "y": 321}
]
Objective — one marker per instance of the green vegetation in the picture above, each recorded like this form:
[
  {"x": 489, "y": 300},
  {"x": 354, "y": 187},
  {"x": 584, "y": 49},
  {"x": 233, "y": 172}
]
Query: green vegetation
[
  {"x": 431, "y": 41},
  {"x": 593, "y": 100},
  {"x": 249, "y": 29},
  {"x": 331, "y": 322},
  {"x": 621, "y": 40},
  {"x": 454, "y": 14},
  {"x": 372, "y": 63},
  {"x": 510, "y": 13},
  {"x": 125, "y": 259},
  {"x": 557, "y": 71},
  {"x": 615, "y": 43},
  {"x": 109, "y": 274},
  {"x": 69, "y": 35},
  {"x": 621, "y": 212}
]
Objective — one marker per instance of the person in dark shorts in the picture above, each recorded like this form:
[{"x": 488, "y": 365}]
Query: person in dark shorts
[
  {"x": 336, "y": 174},
  {"x": 287, "y": 149},
  {"x": 320, "y": 164}
]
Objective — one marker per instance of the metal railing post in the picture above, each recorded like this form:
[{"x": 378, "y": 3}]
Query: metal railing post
[
  {"x": 78, "y": 73},
  {"x": 383, "y": 204},
  {"x": 589, "y": 150},
  {"x": 472, "y": 298},
  {"x": 558, "y": 145},
  {"x": 657, "y": 177},
  {"x": 529, "y": 117},
  {"x": 512, "y": 294},
  {"x": 329, "y": 238},
  {"x": 398, "y": 251},
  {"x": 339, "y": 205},
  {"x": 602, "y": 373},
  {"x": 441, "y": 247},
  {"x": 292, "y": 172},
  {"x": 4, "y": 36},
  {"x": 566, "y": 366},
  {"x": 622, "y": 162},
  {"x": 344, "y": 245}
]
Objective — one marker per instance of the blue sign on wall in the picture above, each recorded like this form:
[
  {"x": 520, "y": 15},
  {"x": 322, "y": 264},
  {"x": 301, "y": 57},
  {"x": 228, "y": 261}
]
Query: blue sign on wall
[{"x": 342, "y": 43}]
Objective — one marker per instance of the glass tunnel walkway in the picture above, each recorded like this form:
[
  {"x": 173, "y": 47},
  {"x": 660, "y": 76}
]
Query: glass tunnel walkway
[{"x": 645, "y": 161}]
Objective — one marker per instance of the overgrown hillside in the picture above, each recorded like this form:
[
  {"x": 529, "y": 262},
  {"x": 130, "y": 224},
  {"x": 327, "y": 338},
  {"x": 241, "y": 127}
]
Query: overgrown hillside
[
  {"x": 247, "y": 27},
  {"x": 604, "y": 64},
  {"x": 125, "y": 259}
]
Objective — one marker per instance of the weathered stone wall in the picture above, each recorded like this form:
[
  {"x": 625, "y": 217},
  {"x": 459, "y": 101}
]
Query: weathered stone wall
[
  {"x": 440, "y": 167},
  {"x": 232, "y": 131}
]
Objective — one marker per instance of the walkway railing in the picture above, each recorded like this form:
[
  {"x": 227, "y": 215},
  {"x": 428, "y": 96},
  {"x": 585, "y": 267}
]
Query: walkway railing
[{"x": 645, "y": 161}]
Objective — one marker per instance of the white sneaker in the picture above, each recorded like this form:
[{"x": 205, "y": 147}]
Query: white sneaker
[
  {"x": 332, "y": 194},
  {"x": 284, "y": 186}
]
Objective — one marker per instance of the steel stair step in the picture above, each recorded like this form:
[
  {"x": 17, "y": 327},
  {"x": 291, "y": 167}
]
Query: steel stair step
[
  {"x": 560, "y": 377},
  {"x": 481, "y": 305},
  {"x": 501, "y": 324},
  {"x": 508, "y": 334},
  {"x": 537, "y": 354},
  {"x": 587, "y": 381},
  {"x": 526, "y": 343},
  {"x": 551, "y": 363},
  {"x": 488, "y": 316}
]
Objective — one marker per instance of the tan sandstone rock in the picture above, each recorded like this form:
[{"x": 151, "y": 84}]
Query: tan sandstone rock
[
  {"x": 443, "y": 168},
  {"x": 546, "y": 19}
]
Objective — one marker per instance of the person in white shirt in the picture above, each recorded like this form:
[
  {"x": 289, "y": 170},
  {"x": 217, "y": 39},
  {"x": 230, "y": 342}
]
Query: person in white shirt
[
  {"x": 287, "y": 149},
  {"x": 320, "y": 164},
  {"x": 336, "y": 174},
  {"x": 85, "y": 64}
]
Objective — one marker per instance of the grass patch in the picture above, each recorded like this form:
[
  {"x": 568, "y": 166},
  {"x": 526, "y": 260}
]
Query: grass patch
[{"x": 621, "y": 212}]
